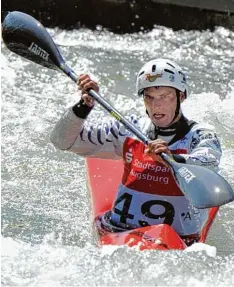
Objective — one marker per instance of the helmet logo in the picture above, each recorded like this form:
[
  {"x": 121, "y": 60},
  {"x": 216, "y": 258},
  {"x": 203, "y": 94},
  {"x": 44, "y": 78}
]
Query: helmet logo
[
  {"x": 172, "y": 78},
  {"x": 152, "y": 78}
]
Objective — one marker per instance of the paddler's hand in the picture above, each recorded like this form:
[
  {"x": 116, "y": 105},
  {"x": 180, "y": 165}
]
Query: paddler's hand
[
  {"x": 156, "y": 147},
  {"x": 84, "y": 84}
]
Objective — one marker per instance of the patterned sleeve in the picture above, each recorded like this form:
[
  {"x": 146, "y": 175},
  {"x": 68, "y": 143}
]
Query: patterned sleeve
[
  {"x": 205, "y": 148},
  {"x": 103, "y": 139}
]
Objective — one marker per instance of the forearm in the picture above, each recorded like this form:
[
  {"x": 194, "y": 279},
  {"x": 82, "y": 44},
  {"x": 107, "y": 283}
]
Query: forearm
[
  {"x": 210, "y": 160},
  {"x": 67, "y": 130},
  {"x": 103, "y": 139},
  {"x": 203, "y": 147},
  {"x": 205, "y": 156}
]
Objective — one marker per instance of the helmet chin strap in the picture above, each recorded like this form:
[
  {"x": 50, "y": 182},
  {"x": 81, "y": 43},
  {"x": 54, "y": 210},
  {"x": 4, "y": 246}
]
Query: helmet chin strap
[{"x": 177, "y": 111}]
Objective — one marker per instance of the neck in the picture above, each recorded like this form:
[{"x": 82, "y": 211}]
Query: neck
[{"x": 176, "y": 119}]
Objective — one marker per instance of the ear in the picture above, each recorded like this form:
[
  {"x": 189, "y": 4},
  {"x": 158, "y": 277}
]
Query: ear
[{"x": 182, "y": 97}]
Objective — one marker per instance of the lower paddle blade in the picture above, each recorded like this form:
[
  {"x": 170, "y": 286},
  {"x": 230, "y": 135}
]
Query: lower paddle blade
[
  {"x": 25, "y": 36},
  {"x": 202, "y": 186},
  {"x": 205, "y": 187}
]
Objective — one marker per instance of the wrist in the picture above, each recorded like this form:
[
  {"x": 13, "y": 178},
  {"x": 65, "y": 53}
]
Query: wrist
[{"x": 81, "y": 109}]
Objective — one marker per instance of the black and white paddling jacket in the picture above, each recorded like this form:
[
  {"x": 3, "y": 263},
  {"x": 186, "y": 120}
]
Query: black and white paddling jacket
[{"x": 148, "y": 193}]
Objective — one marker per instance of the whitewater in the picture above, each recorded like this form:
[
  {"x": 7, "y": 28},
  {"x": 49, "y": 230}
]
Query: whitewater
[{"x": 47, "y": 237}]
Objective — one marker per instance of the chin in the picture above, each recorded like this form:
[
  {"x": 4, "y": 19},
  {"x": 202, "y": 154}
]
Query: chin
[{"x": 160, "y": 123}]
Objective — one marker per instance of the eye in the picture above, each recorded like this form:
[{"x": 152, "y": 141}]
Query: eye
[
  {"x": 165, "y": 96},
  {"x": 148, "y": 97}
]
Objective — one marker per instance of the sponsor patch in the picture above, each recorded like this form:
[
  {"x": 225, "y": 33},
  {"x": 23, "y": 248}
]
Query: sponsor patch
[
  {"x": 200, "y": 135},
  {"x": 129, "y": 156}
]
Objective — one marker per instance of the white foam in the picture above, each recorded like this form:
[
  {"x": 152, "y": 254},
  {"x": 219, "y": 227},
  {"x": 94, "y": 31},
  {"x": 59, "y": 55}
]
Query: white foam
[
  {"x": 197, "y": 247},
  {"x": 45, "y": 188}
]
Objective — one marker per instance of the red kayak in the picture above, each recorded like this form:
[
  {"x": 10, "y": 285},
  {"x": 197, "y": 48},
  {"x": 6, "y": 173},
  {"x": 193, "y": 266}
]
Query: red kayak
[{"x": 103, "y": 178}]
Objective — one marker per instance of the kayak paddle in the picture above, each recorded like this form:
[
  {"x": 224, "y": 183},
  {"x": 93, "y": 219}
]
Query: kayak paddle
[{"x": 27, "y": 37}]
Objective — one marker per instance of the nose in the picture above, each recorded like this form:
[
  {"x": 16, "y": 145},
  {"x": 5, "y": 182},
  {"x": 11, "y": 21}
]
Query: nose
[{"x": 156, "y": 102}]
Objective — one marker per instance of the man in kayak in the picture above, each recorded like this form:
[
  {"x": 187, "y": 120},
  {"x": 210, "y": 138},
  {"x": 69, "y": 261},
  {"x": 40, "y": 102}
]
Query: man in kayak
[{"x": 148, "y": 193}]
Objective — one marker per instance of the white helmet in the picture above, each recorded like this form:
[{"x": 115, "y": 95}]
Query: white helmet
[{"x": 161, "y": 72}]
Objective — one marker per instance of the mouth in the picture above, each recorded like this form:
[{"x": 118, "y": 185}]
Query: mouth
[{"x": 158, "y": 116}]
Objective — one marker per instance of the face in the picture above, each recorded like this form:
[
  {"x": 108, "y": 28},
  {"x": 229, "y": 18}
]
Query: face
[{"x": 161, "y": 104}]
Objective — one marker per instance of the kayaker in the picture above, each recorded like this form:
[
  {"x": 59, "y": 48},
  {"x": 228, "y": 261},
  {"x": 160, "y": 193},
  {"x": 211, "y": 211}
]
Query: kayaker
[{"x": 148, "y": 194}]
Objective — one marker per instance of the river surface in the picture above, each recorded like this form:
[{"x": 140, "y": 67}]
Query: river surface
[{"x": 46, "y": 216}]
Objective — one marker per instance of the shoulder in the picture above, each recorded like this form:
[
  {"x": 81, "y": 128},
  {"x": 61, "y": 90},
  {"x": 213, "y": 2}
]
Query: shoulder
[
  {"x": 202, "y": 127},
  {"x": 203, "y": 131},
  {"x": 205, "y": 134}
]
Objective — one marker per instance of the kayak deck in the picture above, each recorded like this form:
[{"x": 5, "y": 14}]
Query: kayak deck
[
  {"x": 103, "y": 179},
  {"x": 160, "y": 236}
]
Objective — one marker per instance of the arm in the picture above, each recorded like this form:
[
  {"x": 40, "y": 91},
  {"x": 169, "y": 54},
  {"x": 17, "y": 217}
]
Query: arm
[
  {"x": 204, "y": 147},
  {"x": 75, "y": 133},
  {"x": 202, "y": 144},
  {"x": 103, "y": 139}
]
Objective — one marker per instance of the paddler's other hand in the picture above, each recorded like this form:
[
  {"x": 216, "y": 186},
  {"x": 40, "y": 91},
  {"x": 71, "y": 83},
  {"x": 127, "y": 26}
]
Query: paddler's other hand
[
  {"x": 156, "y": 147},
  {"x": 84, "y": 84}
]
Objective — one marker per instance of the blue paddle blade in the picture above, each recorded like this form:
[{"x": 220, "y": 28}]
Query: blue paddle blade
[
  {"x": 202, "y": 186},
  {"x": 27, "y": 37}
]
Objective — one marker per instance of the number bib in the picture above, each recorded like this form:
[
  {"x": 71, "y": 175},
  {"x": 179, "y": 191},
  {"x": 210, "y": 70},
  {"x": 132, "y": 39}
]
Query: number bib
[
  {"x": 134, "y": 209},
  {"x": 149, "y": 195}
]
